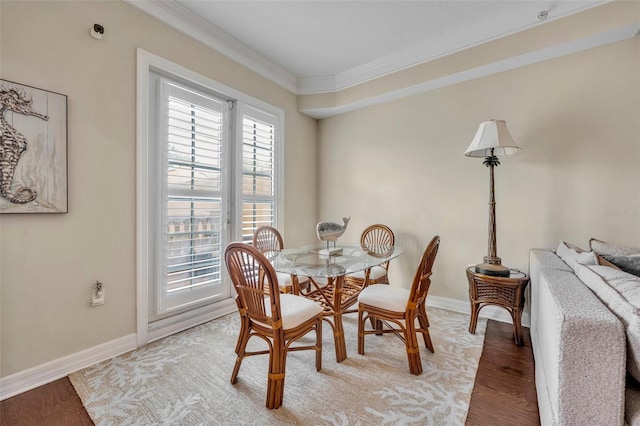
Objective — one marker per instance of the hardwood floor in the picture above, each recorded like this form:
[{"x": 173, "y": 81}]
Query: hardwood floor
[
  {"x": 504, "y": 391},
  {"x": 53, "y": 404}
]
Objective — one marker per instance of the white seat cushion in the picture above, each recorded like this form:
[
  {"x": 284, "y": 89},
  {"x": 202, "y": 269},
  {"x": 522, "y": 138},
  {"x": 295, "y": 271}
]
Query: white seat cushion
[
  {"x": 296, "y": 309},
  {"x": 376, "y": 272},
  {"x": 385, "y": 297},
  {"x": 284, "y": 279}
]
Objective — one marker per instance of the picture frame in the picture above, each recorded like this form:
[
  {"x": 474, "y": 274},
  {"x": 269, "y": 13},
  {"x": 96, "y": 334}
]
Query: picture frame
[{"x": 33, "y": 150}]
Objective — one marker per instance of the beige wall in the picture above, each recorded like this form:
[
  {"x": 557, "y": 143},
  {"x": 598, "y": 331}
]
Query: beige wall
[
  {"x": 577, "y": 119},
  {"x": 49, "y": 262}
]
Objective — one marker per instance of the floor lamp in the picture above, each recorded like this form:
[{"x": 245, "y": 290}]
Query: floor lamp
[{"x": 492, "y": 140}]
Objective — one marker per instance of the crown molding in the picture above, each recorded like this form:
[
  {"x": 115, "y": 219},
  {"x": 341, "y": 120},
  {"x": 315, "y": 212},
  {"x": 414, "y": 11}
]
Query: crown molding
[
  {"x": 179, "y": 18},
  {"x": 313, "y": 85},
  {"x": 420, "y": 54},
  {"x": 562, "y": 49}
]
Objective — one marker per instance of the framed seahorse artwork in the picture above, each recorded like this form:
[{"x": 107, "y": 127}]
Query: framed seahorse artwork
[{"x": 33, "y": 150}]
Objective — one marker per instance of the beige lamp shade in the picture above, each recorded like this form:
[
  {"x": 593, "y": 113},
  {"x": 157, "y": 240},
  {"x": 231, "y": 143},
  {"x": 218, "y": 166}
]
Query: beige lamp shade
[{"x": 492, "y": 135}]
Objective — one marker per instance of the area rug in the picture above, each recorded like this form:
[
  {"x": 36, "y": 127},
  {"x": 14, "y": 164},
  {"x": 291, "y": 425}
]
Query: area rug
[{"x": 184, "y": 380}]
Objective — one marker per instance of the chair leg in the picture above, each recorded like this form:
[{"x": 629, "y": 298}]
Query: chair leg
[
  {"x": 244, "y": 324},
  {"x": 516, "y": 315},
  {"x": 423, "y": 320},
  {"x": 376, "y": 324},
  {"x": 424, "y": 311},
  {"x": 413, "y": 352},
  {"x": 243, "y": 338},
  {"x": 319, "y": 344},
  {"x": 475, "y": 308},
  {"x": 275, "y": 379},
  {"x": 244, "y": 329},
  {"x": 360, "y": 330}
]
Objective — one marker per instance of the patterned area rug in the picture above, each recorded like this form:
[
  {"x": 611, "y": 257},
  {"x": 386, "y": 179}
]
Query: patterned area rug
[{"x": 184, "y": 380}]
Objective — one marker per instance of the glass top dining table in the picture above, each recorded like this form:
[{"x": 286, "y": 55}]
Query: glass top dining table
[{"x": 329, "y": 284}]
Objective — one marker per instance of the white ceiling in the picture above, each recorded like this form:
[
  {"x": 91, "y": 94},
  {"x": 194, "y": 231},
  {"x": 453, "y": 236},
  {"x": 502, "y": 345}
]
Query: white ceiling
[{"x": 319, "y": 46}]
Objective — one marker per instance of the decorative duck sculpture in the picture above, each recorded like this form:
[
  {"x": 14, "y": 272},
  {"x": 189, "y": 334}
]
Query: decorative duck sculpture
[{"x": 329, "y": 231}]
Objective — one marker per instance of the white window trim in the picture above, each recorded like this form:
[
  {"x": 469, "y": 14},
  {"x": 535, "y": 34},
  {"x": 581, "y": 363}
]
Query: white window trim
[{"x": 147, "y": 61}]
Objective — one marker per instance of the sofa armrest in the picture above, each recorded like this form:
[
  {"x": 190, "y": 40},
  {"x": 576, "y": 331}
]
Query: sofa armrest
[{"x": 580, "y": 353}]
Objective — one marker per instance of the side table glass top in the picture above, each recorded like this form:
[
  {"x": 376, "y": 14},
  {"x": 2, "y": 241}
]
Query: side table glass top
[
  {"x": 307, "y": 261},
  {"x": 513, "y": 273}
]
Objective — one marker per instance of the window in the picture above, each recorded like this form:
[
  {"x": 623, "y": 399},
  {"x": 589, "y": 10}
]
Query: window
[
  {"x": 209, "y": 172},
  {"x": 258, "y": 171},
  {"x": 194, "y": 207}
]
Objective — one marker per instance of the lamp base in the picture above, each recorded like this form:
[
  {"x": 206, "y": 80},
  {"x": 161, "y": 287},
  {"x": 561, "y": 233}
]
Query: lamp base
[
  {"x": 492, "y": 270},
  {"x": 492, "y": 260}
]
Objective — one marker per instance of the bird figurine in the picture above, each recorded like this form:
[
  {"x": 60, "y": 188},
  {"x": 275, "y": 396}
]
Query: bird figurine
[{"x": 329, "y": 231}]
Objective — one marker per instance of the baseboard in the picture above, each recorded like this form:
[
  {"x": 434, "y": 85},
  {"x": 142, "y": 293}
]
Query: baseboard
[
  {"x": 42, "y": 374},
  {"x": 491, "y": 312},
  {"x": 177, "y": 324},
  {"x": 37, "y": 376}
]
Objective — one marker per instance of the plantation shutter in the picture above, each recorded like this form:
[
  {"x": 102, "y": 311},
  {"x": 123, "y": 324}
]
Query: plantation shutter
[
  {"x": 258, "y": 130},
  {"x": 194, "y": 201}
]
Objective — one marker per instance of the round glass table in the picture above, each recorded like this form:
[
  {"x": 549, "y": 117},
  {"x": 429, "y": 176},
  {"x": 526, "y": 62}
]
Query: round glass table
[{"x": 327, "y": 284}]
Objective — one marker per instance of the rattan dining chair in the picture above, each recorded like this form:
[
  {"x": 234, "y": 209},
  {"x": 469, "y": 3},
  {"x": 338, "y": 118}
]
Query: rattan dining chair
[
  {"x": 269, "y": 242},
  {"x": 376, "y": 240},
  {"x": 398, "y": 309},
  {"x": 279, "y": 319}
]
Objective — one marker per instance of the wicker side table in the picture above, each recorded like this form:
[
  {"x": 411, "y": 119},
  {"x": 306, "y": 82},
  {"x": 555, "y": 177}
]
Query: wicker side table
[{"x": 507, "y": 292}]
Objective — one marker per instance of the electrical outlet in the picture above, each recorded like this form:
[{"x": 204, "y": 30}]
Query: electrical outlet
[{"x": 97, "y": 295}]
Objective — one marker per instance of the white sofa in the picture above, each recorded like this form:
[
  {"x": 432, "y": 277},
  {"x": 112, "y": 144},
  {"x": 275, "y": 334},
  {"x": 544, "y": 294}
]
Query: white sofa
[{"x": 580, "y": 345}]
